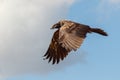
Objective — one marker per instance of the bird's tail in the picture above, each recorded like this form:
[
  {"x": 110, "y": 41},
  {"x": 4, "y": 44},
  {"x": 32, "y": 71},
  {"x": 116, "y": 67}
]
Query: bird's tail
[{"x": 99, "y": 31}]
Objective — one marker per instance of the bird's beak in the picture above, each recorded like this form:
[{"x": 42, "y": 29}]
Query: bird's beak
[
  {"x": 51, "y": 28},
  {"x": 54, "y": 26}
]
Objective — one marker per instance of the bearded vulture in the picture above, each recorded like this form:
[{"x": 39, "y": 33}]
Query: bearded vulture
[{"x": 69, "y": 36}]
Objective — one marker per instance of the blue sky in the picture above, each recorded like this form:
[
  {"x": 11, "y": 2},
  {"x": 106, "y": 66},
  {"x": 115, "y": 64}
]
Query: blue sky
[{"x": 102, "y": 59}]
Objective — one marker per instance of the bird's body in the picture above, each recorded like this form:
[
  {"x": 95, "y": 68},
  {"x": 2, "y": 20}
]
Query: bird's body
[{"x": 68, "y": 37}]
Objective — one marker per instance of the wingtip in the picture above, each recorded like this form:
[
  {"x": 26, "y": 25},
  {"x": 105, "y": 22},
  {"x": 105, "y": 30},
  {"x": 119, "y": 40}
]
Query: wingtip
[{"x": 106, "y": 34}]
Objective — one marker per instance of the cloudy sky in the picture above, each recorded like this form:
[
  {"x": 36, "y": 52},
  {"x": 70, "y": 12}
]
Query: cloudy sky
[{"x": 25, "y": 36}]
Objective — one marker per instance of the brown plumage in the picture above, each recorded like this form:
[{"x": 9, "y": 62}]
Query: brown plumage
[{"x": 68, "y": 37}]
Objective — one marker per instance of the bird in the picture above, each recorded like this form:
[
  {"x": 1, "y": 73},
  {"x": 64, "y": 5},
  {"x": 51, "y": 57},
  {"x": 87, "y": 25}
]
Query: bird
[{"x": 68, "y": 37}]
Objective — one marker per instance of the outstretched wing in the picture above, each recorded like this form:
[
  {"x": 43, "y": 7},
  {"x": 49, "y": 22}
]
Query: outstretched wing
[
  {"x": 56, "y": 52},
  {"x": 69, "y": 37}
]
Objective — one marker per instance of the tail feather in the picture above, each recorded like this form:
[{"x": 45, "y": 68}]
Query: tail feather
[{"x": 99, "y": 31}]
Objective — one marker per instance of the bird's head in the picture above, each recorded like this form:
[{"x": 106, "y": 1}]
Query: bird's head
[{"x": 58, "y": 25}]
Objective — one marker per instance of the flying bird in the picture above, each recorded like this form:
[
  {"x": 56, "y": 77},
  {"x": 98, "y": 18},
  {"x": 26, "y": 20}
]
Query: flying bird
[{"x": 68, "y": 36}]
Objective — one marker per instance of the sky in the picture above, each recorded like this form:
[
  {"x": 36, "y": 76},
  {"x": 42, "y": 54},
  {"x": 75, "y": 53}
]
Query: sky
[{"x": 25, "y": 36}]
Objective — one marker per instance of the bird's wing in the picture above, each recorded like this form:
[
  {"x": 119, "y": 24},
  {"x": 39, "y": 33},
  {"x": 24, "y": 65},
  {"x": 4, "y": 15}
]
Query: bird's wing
[
  {"x": 56, "y": 52},
  {"x": 64, "y": 40},
  {"x": 72, "y": 35}
]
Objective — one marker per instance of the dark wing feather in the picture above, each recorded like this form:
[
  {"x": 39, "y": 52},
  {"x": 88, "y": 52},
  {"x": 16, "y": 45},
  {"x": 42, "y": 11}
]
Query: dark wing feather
[{"x": 56, "y": 52}]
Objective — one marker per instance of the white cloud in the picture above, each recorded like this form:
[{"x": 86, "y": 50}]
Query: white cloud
[
  {"x": 25, "y": 34},
  {"x": 110, "y": 3},
  {"x": 114, "y": 1}
]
